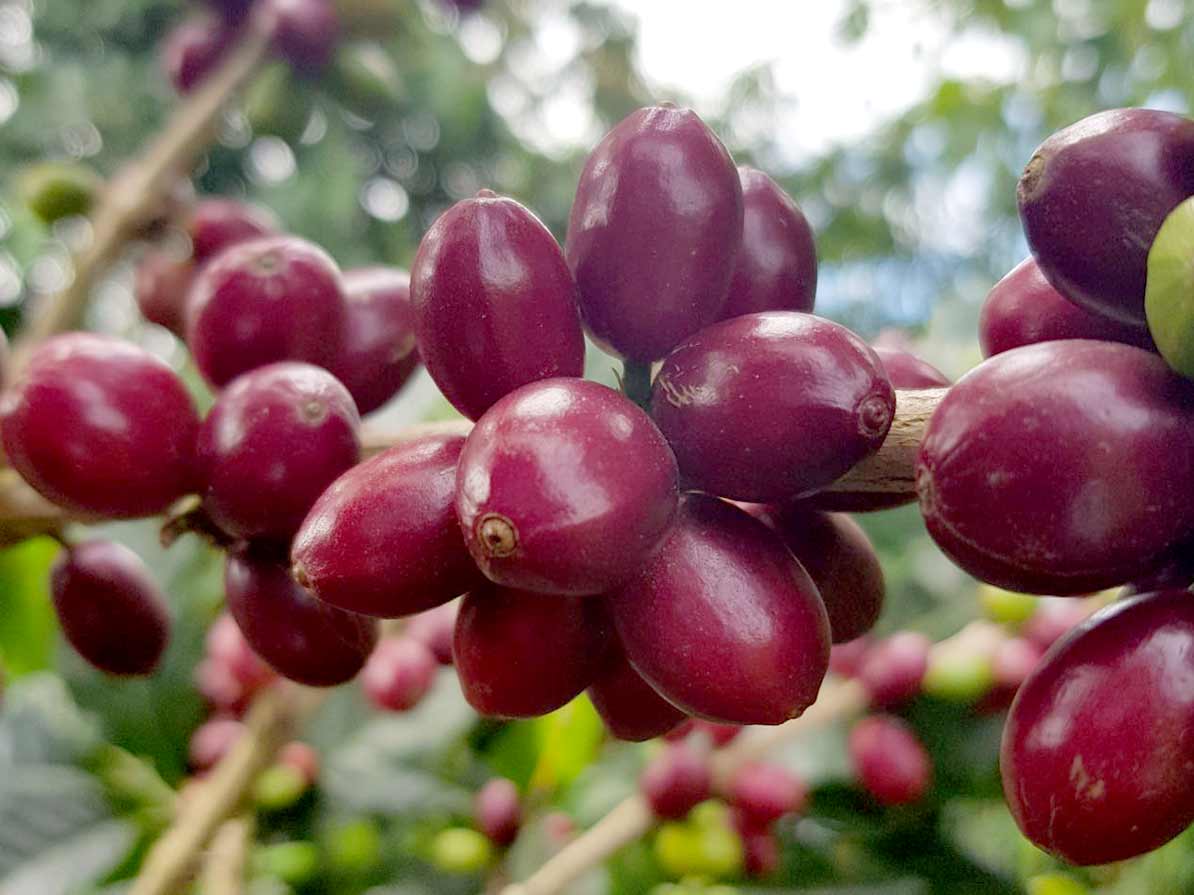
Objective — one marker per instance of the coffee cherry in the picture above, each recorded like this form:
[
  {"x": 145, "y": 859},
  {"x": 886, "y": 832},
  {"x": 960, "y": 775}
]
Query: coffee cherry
[
  {"x": 226, "y": 645},
  {"x": 279, "y": 788},
  {"x": 300, "y": 757},
  {"x": 1005, "y": 606},
  {"x": 498, "y": 812},
  {"x": 161, "y": 284},
  {"x": 110, "y": 608},
  {"x": 724, "y": 580},
  {"x": 270, "y": 299},
  {"x": 1061, "y": 467},
  {"x": 676, "y": 781},
  {"x": 889, "y": 760},
  {"x": 232, "y": 10},
  {"x": 685, "y": 850},
  {"x": 295, "y": 864},
  {"x": 461, "y": 851},
  {"x": 628, "y": 705},
  {"x": 760, "y": 853},
  {"x": 776, "y": 268},
  {"x": 399, "y": 673},
  {"x": 1013, "y": 661},
  {"x": 494, "y": 302},
  {"x": 211, "y": 741},
  {"x": 304, "y": 32},
  {"x": 1169, "y": 287},
  {"x": 565, "y": 487},
  {"x": 192, "y": 49},
  {"x": 907, "y": 371},
  {"x": 805, "y": 399},
  {"x": 100, "y": 426},
  {"x": 1052, "y": 620},
  {"x": 1096, "y": 751},
  {"x": 763, "y": 793},
  {"x": 215, "y": 224},
  {"x": 300, "y": 637},
  {"x": 276, "y": 437},
  {"x": 366, "y": 79},
  {"x": 654, "y": 232},
  {"x": 354, "y": 847},
  {"x": 845, "y": 659},
  {"x": 383, "y": 539},
  {"x": 378, "y": 354},
  {"x": 1024, "y": 309},
  {"x": 435, "y": 629},
  {"x": 893, "y": 670},
  {"x": 520, "y": 654},
  {"x": 58, "y": 189}
]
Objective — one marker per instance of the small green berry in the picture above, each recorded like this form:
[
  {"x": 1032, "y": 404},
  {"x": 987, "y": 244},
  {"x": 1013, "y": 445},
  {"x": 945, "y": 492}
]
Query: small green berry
[
  {"x": 354, "y": 847},
  {"x": 279, "y": 788},
  {"x": 457, "y": 850},
  {"x": 1005, "y": 606},
  {"x": 964, "y": 678},
  {"x": 294, "y": 863},
  {"x": 1055, "y": 884}
]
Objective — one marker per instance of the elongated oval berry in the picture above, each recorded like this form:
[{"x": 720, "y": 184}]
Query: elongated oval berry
[
  {"x": 762, "y": 793},
  {"x": 217, "y": 223},
  {"x": 379, "y": 352},
  {"x": 628, "y": 705},
  {"x": 892, "y": 670},
  {"x": 1023, "y": 309},
  {"x": 726, "y": 581},
  {"x": 304, "y": 32},
  {"x": 565, "y": 487},
  {"x": 497, "y": 810},
  {"x": 889, "y": 760},
  {"x": 266, "y": 300},
  {"x": 383, "y": 539},
  {"x": 1093, "y": 197},
  {"x": 100, "y": 426},
  {"x": 907, "y": 371},
  {"x": 520, "y": 654},
  {"x": 1096, "y": 751},
  {"x": 111, "y": 610},
  {"x": 300, "y": 637},
  {"x": 435, "y": 629},
  {"x": 1060, "y": 468},
  {"x": 495, "y": 303},
  {"x": 192, "y": 49},
  {"x": 776, "y": 269},
  {"x": 399, "y": 673},
  {"x": 654, "y": 232},
  {"x": 276, "y": 437},
  {"x": 805, "y": 399},
  {"x": 211, "y": 741},
  {"x": 161, "y": 285},
  {"x": 676, "y": 781}
]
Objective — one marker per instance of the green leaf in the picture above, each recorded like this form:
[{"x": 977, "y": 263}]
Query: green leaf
[
  {"x": 80, "y": 860},
  {"x": 28, "y": 629}
]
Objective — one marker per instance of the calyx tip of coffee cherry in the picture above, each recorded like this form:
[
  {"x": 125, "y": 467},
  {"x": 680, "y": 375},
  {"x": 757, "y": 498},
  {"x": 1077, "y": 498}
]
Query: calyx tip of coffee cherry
[
  {"x": 497, "y": 535},
  {"x": 874, "y": 415}
]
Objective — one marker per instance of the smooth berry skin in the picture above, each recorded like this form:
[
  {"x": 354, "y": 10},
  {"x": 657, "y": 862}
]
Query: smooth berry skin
[
  {"x": 101, "y": 427},
  {"x": 216, "y": 224},
  {"x": 1060, "y": 468},
  {"x": 891, "y": 764},
  {"x": 776, "y": 268},
  {"x": 1024, "y": 309},
  {"x": 565, "y": 487},
  {"x": 383, "y": 539},
  {"x": 497, "y": 810},
  {"x": 276, "y": 437},
  {"x": 1054, "y": 619},
  {"x": 399, "y": 673},
  {"x": 805, "y": 399},
  {"x": 232, "y": 10},
  {"x": 521, "y": 654},
  {"x": 161, "y": 284},
  {"x": 300, "y": 637},
  {"x": 495, "y": 304},
  {"x": 629, "y": 707},
  {"x": 676, "y": 781},
  {"x": 725, "y": 580},
  {"x": 762, "y": 793},
  {"x": 435, "y": 629},
  {"x": 192, "y": 49},
  {"x": 654, "y": 232},
  {"x": 907, "y": 371},
  {"x": 110, "y": 609},
  {"x": 211, "y": 741},
  {"x": 1096, "y": 750},
  {"x": 1094, "y": 196},
  {"x": 845, "y": 659},
  {"x": 304, "y": 32},
  {"x": 760, "y": 853},
  {"x": 300, "y": 757},
  {"x": 262, "y": 301},
  {"x": 378, "y": 354},
  {"x": 1011, "y": 664},
  {"x": 893, "y": 669}
]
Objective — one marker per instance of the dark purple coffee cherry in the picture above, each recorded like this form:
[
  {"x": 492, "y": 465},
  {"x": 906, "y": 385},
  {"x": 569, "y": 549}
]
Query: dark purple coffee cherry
[
  {"x": 304, "y": 32},
  {"x": 276, "y": 437},
  {"x": 1096, "y": 751},
  {"x": 805, "y": 400},
  {"x": 564, "y": 487},
  {"x": 379, "y": 353},
  {"x": 383, "y": 539},
  {"x": 495, "y": 303},
  {"x": 776, "y": 268},
  {"x": 628, "y": 705},
  {"x": 676, "y": 781},
  {"x": 270, "y": 299},
  {"x": 232, "y": 10},
  {"x": 654, "y": 232},
  {"x": 215, "y": 224},
  {"x": 192, "y": 49},
  {"x": 399, "y": 673},
  {"x": 760, "y": 853},
  {"x": 162, "y": 282},
  {"x": 111, "y": 610},
  {"x": 497, "y": 810},
  {"x": 301, "y": 638},
  {"x": 1061, "y": 468},
  {"x": 435, "y": 629},
  {"x": 907, "y": 371},
  {"x": 100, "y": 426},
  {"x": 1093, "y": 197},
  {"x": 726, "y": 581},
  {"x": 891, "y": 764},
  {"x": 762, "y": 793}
]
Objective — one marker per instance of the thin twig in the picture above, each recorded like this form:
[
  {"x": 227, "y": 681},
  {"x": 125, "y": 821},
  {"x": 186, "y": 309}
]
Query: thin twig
[{"x": 224, "y": 866}]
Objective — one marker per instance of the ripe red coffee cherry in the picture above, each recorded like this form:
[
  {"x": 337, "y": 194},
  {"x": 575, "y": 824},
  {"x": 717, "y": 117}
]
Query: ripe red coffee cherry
[
  {"x": 161, "y": 284},
  {"x": 1023, "y": 309},
  {"x": 211, "y": 741},
  {"x": 1093, "y": 197},
  {"x": 192, "y": 49},
  {"x": 1096, "y": 750},
  {"x": 110, "y": 608},
  {"x": 100, "y": 426},
  {"x": 435, "y": 629},
  {"x": 300, "y": 637},
  {"x": 399, "y": 673},
  {"x": 497, "y": 810},
  {"x": 893, "y": 670},
  {"x": 676, "y": 781},
  {"x": 763, "y": 793},
  {"x": 304, "y": 32},
  {"x": 227, "y": 645},
  {"x": 1060, "y": 468},
  {"x": 383, "y": 538},
  {"x": 495, "y": 303},
  {"x": 760, "y": 853},
  {"x": 654, "y": 232},
  {"x": 805, "y": 398},
  {"x": 628, "y": 705},
  {"x": 270, "y": 299},
  {"x": 564, "y": 486},
  {"x": 776, "y": 269},
  {"x": 300, "y": 757},
  {"x": 276, "y": 437},
  {"x": 379, "y": 353},
  {"x": 845, "y": 659},
  {"x": 889, "y": 760},
  {"x": 520, "y": 654},
  {"x": 215, "y": 224},
  {"x": 907, "y": 371},
  {"x": 1011, "y": 664},
  {"x": 1053, "y": 619},
  {"x": 232, "y": 10},
  {"x": 725, "y": 580}
]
